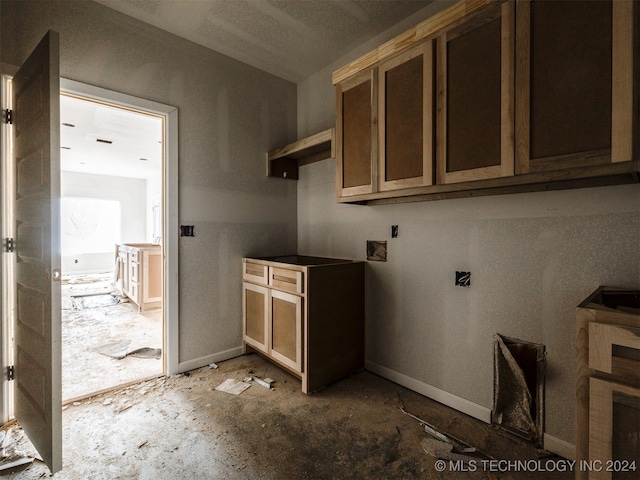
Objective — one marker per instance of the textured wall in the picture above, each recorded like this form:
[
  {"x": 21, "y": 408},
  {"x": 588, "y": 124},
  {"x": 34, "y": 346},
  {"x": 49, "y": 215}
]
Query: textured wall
[
  {"x": 229, "y": 115},
  {"x": 533, "y": 257}
]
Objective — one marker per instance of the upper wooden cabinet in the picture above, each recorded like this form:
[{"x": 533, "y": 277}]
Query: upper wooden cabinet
[
  {"x": 356, "y": 135},
  {"x": 574, "y": 84},
  {"x": 491, "y": 97},
  {"x": 475, "y": 97},
  {"x": 405, "y": 127}
]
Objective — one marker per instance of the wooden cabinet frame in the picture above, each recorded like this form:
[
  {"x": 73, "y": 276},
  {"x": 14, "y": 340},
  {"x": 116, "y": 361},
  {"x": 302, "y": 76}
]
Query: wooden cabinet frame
[
  {"x": 296, "y": 301},
  {"x": 369, "y": 186},
  {"x": 604, "y": 394},
  {"x": 622, "y": 100},
  {"x": 307, "y": 316},
  {"x": 516, "y": 172},
  {"x": 246, "y": 314},
  {"x": 607, "y": 326},
  {"x": 505, "y": 167},
  {"x": 426, "y": 51}
]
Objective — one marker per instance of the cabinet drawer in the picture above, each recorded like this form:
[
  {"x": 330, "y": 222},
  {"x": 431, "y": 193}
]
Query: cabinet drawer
[
  {"x": 286, "y": 280},
  {"x": 256, "y": 273},
  {"x": 615, "y": 349}
]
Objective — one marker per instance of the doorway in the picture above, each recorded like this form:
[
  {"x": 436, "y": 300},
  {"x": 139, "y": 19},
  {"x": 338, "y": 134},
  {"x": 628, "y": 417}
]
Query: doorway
[
  {"x": 31, "y": 269},
  {"x": 111, "y": 161}
]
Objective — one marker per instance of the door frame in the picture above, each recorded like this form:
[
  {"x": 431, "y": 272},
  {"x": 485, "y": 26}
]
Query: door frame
[
  {"x": 169, "y": 198},
  {"x": 170, "y": 222}
]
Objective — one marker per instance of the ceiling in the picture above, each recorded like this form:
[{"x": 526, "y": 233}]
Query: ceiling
[
  {"x": 104, "y": 140},
  {"x": 289, "y": 38}
]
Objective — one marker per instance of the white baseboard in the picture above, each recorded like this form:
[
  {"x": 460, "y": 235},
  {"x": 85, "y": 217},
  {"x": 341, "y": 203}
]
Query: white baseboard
[
  {"x": 559, "y": 447},
  {"x": 206, "y": 360},
  {"x": 551, "y": 443},
  {"x": 446, "y": 398}
]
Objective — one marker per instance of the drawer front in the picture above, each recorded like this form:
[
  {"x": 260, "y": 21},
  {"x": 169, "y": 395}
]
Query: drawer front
[
  {"x": 286, "y": 280},
  {"x": 133, "y": 255},
  {"x": 256, "y": 273},
  {"x": 615, "y": 349}
]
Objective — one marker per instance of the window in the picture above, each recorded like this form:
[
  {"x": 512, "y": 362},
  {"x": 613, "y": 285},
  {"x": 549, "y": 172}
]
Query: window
[{"x": 89, "y": 225}]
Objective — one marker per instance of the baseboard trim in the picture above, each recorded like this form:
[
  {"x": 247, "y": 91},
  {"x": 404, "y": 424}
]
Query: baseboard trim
[
  {"x": 434, "y": 393},
  {"x": 208, "y": 359},
  {"x": 559, "y": 447}
]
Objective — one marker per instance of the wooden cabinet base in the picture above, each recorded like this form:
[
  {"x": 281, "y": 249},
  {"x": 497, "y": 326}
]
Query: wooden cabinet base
[{"x": 313, "y": 315}]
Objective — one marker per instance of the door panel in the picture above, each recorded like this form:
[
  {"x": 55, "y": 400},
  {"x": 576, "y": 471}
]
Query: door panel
[
  {"x": 37, "y": 389},
  {"x": 286, "y": 329}
]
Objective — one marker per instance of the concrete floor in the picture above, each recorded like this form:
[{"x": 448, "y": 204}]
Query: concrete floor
[
  {"x": 84, "y": 370},
  {"x": 182, "y": 428}
]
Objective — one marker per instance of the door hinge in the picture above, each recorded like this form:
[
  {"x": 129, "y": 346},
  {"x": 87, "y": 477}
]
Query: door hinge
[
  {"x": 8, "y": 115},
  {"x": 9, "y": 245},
  {"x": 11, "y": 374}
]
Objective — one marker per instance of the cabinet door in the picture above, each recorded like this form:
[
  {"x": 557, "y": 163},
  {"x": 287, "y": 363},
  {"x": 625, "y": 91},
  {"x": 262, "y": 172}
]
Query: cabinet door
[
  {"x": 405, "y": 129},
  {"x": 475, "y": 118},
  {"x": 574, "y": 85},
  {"x": 614, "y": 428},
  {"x": 255, "y": 318},
  {"x": 356, "y": 135},
  {"x": 286, "y": 329}
]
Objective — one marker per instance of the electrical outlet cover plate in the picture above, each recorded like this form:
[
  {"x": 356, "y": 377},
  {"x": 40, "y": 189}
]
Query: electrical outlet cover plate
[{"x": 463, "y": 279}]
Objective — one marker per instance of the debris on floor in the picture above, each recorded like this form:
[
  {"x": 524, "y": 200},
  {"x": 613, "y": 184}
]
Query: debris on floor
[
  {"x": 93, "y": 300},
  {"x": 120, "y": 349},
  {"x": 445, "y": 446},
  {"x": 146, "y": 352},
  {"x": 266, "y": 383},
  {"x": 117, "y": 349},
  {"x": 233, "y": 386},
  {"x": 442, "y": 450},
  {"x": 11, "y": 456}
]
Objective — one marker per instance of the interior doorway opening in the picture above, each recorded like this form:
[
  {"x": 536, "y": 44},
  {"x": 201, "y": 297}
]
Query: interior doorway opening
[{"x": 111, "y": 167}]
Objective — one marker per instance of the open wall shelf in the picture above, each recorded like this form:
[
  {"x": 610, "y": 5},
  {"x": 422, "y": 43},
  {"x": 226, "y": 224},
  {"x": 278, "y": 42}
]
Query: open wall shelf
[{"x": 283, "y": 162}]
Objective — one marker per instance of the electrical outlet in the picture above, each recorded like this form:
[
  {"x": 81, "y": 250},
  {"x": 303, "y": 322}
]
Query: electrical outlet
[
  {"x": 463, "y": 279},
  {"x": 187, "y": 231}
]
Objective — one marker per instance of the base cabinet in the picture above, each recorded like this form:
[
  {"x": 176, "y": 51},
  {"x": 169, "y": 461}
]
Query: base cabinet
[
  {"x": 140, "y": 269},
  {"x": 608, "y": 385},
  {"x": 307, "y": 315}
]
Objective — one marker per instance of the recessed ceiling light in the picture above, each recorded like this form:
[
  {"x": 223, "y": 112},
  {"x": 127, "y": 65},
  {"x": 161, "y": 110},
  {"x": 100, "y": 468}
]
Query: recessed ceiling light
[
  {"x": 68, "y": 125},
  {"x": 102, "y": 140}
]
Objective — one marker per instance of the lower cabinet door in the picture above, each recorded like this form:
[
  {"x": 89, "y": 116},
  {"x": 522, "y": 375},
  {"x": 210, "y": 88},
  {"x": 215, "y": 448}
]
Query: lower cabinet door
[
  {"x": 286, "y": 329},
  {"x": 614, "y": 429},
  {"x": 255, "y": 305}
]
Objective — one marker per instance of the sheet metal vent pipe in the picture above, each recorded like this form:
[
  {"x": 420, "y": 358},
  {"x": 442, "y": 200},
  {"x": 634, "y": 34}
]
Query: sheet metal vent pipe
[{"x": 518, "y": 387}]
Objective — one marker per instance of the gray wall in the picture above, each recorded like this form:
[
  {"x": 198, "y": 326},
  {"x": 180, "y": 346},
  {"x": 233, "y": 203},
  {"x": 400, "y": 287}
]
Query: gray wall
[
  {"x": 229, "y": 115},
  {"x": 533, "y": 257}
]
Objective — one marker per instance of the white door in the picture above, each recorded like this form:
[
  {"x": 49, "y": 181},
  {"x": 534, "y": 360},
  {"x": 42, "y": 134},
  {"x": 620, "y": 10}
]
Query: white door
[{"x": 36, "y": 120}]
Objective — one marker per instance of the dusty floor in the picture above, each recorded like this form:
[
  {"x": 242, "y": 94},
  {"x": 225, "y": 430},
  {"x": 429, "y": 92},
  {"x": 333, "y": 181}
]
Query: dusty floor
[
  {"x": 84, "y": 370},
  {"x": 182, "y": 428}
]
